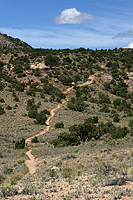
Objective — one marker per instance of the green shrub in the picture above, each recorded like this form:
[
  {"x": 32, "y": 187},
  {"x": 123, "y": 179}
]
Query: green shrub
[
  {"x": 67, "y": 172},
  {"x": 59, "y": 125},
  {"x": 32, "y": 113},
  {"x": 65, "y": 139},
  {"x": 1, "y": 110},
  {"x": 52, "y": 173},
  {"x": 1, "y": 66},
  {"x": 119, "y": 133},
  {"x": 31, "y": 92},
  {"x": 116, "y": 118},
  {"x": 35, "y": 140},
  {"x": 20, "y": 144},
  {"x": 16, "y": 98},
  {"x": 104, "y": 99},
  {"x": 76, "y": 104},
  {"x": 2, "y": 85},
  {"x": 20, "y": 87},
  {"x": 51, "y": 60},
  {"x": 104, "y": 108},
  {"x": 67, "y": 61},
  {"x": 41, "y": 118},
  {"x": 2, "y": 100},
  {"x": 2, "y": 178},
  {"x": 8, "y": 171},
  {"x": 131, "y": 124},
  {"x": 9, "y": 107}
]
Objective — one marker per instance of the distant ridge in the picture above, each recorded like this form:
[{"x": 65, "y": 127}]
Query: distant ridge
[{"x": 12, "y": 43}]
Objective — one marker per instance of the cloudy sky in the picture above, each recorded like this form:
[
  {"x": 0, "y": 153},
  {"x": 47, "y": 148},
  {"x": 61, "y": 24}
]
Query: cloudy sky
[{"x": 69, "y": 24}]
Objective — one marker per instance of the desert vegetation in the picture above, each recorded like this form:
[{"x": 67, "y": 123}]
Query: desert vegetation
[{"x": 83, "y": 100}]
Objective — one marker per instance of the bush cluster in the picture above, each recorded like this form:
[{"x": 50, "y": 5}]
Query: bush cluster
[
  {"x": 20, "y": 144},
  {"x": 59, "y": 125},
  {"x": 76, "y": 104},
  {"x": 88, "y": 130},
  {"x": 32, "y": 108},
  {"x": 34, "y": 140},
  {"x": 122, "y": 105}
]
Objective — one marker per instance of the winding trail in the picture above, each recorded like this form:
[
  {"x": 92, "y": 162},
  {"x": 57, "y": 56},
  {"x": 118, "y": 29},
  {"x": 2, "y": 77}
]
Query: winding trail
[
  {"x": 31, "y": 163},
  {"x": 52, "y": 113}
]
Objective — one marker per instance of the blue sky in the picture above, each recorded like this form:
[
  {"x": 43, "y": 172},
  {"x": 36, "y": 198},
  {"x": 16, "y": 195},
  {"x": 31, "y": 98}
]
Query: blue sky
[{"x": 69, "y": 24}]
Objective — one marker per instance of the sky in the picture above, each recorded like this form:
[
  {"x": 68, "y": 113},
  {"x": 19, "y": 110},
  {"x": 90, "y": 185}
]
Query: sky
[{"x": 57, "y": 24}]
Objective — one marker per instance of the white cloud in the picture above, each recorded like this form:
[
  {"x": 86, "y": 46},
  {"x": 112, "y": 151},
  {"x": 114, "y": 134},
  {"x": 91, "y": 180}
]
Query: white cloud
[
  {"x": 72, "y": 16},
  {"x": 130, "y": 45}
]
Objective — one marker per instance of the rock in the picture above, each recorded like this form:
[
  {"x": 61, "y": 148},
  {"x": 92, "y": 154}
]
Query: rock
[{"x": 54, "y": 168}]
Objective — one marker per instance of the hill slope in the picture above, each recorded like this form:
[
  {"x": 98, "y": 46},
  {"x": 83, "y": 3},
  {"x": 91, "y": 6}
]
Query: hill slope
[
  {"x": 11, "y": 43},
  {"x": 77, "y": 101}
]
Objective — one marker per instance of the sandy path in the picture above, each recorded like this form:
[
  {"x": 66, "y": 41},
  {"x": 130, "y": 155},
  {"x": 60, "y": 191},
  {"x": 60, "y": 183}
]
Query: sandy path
[
  {"x": 90, "y": 81},
  {"x": 52, "y": 113},
  {"x": 32, "y": 163}
]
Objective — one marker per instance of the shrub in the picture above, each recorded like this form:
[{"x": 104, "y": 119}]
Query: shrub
[
  {"x": 65, "y": 139},
  {"x": 2, "y": 85},
  {"x": 66, "y": 80},
  {"x": 8, "y": 171},
  {"x": 41, "y": 118},
  {"x": 35, "y": 140},
  {"x": 46, "y": 112},
  {"x": 119, "y": 133},
  {"x": 104, "y": 99},
  {"x": 8, "y": 107},
  {"x": 1, "y": 66},
  {"x": 2, "y": 100},
  {"x": 117, "y": 102},
  {"x": 32, "y": 113},
  {"x": 20, "y": 144},
  {"x": 2, "y": 178},
  {"x": 30, "y": 103},
  {"x": 67, "y": 172},
  {"x": 104, "y": 108},
  {"x": 8, "y": 191},
  {"x": 116, "y": 118},
  {"x": 67, "y": 61},
  {"x": 20, "y": 87},
  {"x": 76, "y": 104},
  {"x": 1, "y": 110},
  {"x": 131, "y": 124},
  {"x": 31, "y": 92},
  {"x": 51, "y": 60},
  {"x": 52, "y": 173},
  {"x": 16, "y": 98},
  {"x": 59, "y": 125}
]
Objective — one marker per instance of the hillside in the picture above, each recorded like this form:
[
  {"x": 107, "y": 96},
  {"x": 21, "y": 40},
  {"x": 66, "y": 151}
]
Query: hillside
[
  {"x": 8, "y": 42},
  {"x": 71, "y": 113}
]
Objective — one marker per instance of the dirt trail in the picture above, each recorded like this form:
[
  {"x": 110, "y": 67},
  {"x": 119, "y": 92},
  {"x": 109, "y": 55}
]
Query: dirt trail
[
  {"x": 32, "y": 163},
  {"x": 90, "y": 81},
  {"x": 52, "y": 113}
]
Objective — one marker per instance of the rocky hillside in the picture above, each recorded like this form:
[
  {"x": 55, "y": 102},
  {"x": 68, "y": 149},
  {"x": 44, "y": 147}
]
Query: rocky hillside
[
  {"x": 8, "y": 42},
  {"x": 70, "y": 112}
]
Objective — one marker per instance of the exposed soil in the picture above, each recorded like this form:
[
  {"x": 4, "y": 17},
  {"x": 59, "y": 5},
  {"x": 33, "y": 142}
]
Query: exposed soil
[{"x": 31, "y": 163}]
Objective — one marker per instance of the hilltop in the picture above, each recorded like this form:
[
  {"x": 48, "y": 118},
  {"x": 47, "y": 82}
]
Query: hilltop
[
  {"x": 8, "y": 42},
  {"x": 70, "y": 112}
]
